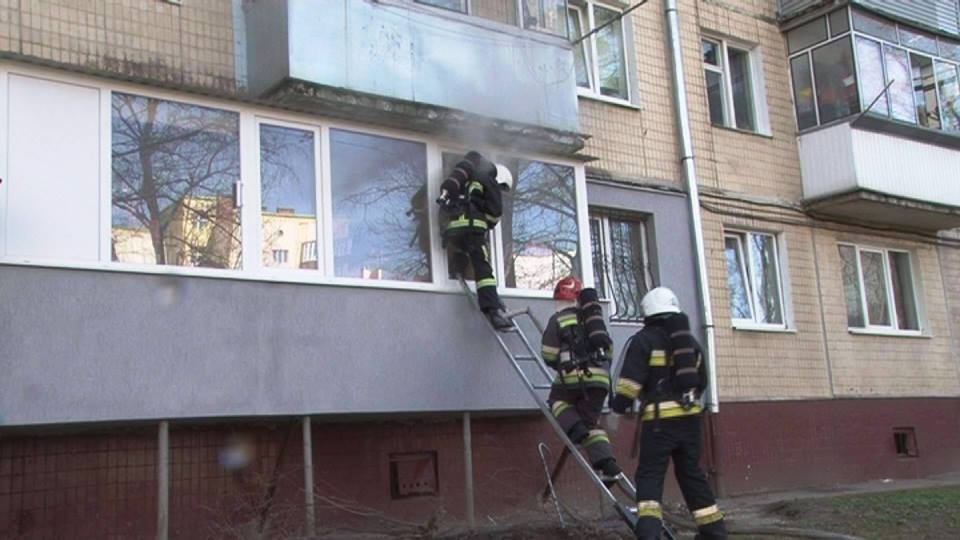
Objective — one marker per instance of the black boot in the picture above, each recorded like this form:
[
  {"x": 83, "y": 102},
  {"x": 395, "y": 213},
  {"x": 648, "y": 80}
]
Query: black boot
[
  {"x": 609, "y": 471},
  {"x": 498, "y": 320}
]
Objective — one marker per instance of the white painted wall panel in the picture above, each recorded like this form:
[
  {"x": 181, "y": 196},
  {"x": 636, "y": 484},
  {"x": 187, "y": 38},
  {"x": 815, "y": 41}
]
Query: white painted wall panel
[
  {"x": 840, "y": 159},
  {"x": 906, "y": 168},
  {"x": 54, "y": 164},
  {"x": 826, "y": 162}
]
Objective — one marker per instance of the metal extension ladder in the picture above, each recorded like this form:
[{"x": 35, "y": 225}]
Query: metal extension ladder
[{"x": 530, "y": 355}]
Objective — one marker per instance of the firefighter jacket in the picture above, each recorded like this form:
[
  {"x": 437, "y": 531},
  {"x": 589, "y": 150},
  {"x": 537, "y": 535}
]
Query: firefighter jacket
[
  {"x": 570, "y": 357},
  {"x": 475, "y": 202},
  {"x": 647, "y": 374}
]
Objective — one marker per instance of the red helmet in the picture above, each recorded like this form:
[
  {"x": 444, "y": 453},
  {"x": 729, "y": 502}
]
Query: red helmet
[{"x": 567, "y": 288}]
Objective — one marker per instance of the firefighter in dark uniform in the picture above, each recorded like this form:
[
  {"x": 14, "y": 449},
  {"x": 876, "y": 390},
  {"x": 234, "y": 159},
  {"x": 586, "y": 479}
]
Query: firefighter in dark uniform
[
  {"x": 472, "y": 202},
  {"x": 663, "y": 368},
  {"x": 579, "y": 351}
]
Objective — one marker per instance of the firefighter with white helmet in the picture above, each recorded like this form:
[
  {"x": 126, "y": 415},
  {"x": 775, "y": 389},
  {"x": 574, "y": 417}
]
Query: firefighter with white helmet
[
  {"x": 663, "y": 368},
  {"x": 472, "y": 202}
]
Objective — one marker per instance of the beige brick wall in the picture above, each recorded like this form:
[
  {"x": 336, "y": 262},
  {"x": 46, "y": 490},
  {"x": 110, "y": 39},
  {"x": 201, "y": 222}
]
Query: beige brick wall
[
  {"x": 191, "y": 44},
  {"x": 754, "y": 365}
]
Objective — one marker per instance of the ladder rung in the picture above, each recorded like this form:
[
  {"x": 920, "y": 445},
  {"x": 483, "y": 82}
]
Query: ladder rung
[
  {"x": 524, "y": 357},
  {"x": 543, "y": 386}
]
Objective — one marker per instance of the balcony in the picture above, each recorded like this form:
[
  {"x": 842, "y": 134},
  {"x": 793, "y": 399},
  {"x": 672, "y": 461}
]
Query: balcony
[
  {"x": 864, "y": 171},
  {"x": 937, "y": 15},
  {"x": 409, "y": 65}
]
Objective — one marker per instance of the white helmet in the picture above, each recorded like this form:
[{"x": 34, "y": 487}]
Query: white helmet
[
  {"x": 659, "y": 300},
  {"x": 504, "y": 177}
]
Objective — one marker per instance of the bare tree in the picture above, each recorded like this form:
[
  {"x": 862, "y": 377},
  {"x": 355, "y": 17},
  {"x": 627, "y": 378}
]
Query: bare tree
[{"x": 175, "y": 167}]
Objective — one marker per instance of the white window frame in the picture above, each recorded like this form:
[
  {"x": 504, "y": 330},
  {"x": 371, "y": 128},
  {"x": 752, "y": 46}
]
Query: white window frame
[
  {"x": 758, "y": 92},
  {"x": 585, "y": 13},
  {"x": 606, "y": 254},
  {"x": 250, "y": 116},
  {"x": 894, "y": 326},
  {"x": 467, "y": 7},
  {"x": 746, "y": 259}
]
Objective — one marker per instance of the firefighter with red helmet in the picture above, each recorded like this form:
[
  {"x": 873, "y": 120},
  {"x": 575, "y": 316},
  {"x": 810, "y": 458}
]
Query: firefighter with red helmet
[{"x": 575, "y": 343}]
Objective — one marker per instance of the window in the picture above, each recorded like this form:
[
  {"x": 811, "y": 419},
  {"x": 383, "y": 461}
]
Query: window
[
  {"x": 878, "y": 288},
  {"x": 901, "y": 73},
  {"x": 545, "y": 16},
  {"x": 600, "y": 60},
  {"x": 381, "y": 226},
  {"x": 621, "y": 264},
  {"x": 905, "y": 442},
  {"x": 288, "y": 195},
  {"x": 539, "y": 225},
  {"x": 730, "y": 85},
  {"x": 753, "y": 278},
  {"x": 454, "y": 5},
  {"x": 176, "y": 178}
]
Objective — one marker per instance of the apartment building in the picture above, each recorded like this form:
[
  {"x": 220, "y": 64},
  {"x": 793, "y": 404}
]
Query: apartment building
[{"x": 224, "y": 288}]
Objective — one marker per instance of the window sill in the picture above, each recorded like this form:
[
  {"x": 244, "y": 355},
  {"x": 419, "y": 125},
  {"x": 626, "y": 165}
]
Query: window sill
[
  {"x": 770, "y": 329},
  {"x": 608, "y": 100},
  {"x": 889, "y": 333},
  {"x": 760, "y": 134}
]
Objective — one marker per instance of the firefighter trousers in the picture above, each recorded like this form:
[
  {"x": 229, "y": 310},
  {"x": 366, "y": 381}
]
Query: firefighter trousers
[
  {"x": 678, "y": 439},
  {"x": 471, "y": 248},
  {"x": 577, "y": 408}
]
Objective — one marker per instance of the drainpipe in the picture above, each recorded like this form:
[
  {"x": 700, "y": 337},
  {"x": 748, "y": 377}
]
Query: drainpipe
[{"x": 693, "y": 194}]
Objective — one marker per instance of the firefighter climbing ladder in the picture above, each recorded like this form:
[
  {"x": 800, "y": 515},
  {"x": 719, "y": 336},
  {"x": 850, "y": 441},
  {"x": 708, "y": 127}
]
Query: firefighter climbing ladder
[{"x": 530, "y": 355}]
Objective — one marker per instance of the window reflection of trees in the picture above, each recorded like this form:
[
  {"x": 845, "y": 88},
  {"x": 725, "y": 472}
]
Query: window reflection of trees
[
  {"x": 175, "y": 167},
  {"x": 288, "y": 196},
  {"x": 739, "y": 294},
  {"x": 763, "y": 257},
  {"x": 540, "y": 233},
  {"x": 380, "y": 207}
]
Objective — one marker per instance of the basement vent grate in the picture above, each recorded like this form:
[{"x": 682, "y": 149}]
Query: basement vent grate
[
  {"x": 413, "y": 474},
  {"x": 905, "y": 440}
]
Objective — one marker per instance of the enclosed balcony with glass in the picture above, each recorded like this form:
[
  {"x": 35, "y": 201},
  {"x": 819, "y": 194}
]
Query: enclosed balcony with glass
[{"x": 878, "y": 110}]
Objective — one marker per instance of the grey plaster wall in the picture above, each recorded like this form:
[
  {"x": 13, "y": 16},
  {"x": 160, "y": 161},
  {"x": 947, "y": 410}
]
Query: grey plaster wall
[
  {"x": 409, "y": 52},
  {"x": 84, "y": 345}
]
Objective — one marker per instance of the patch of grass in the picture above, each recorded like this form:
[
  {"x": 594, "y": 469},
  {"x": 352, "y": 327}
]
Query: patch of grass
[{"x": 919, "y": 513}]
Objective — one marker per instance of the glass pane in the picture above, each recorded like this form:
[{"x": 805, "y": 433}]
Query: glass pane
[
  {"x": 612, "y": 66},
  {"x": 502, "y": 11},
  {"x": 455, "y": 5},
  {"x": 875, "y": 26},
  {"x": 711, "y": 53},
  {"x": 288, "y": 198},
  {"x": 803, "y": 92},
  {"x": 875, "y": 287},
  {"x": 949, "y": 49},
  {"x": 839, "y": 23},
  {"x": 870, "y": 56},
  {"x": 545, "y": 15},
  {"x": 715, "y": 97},
  {"x": 628, "y": 257},
  {"x": 736, "y": 280},
  {"x": 596, "y": 251},
  {"x": 175, "y": 170},
  {"x": 579, "y": 52},
  {"x": 380, "y": 207},
  {"x": 763, "y": 260},
  {"x": 851, "y": 287},
  {"x": 901, "y": 90},
  {"x": 742, "y": 88},
  {"x": 836, "y": 82},
  {"x": 807, "y": 35},
  {"x": 915, "y": 39},
  {"x": 925, "y": 91},
  {"x": 540, "y": 233},
  {"x": 949, "y": 93},
  {"x": 904, "y": 295}
]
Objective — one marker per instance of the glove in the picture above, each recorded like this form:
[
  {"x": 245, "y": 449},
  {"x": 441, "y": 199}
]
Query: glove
[
  {"x": 688, "y": 399},
  {"x": 621, "y": 404}
]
